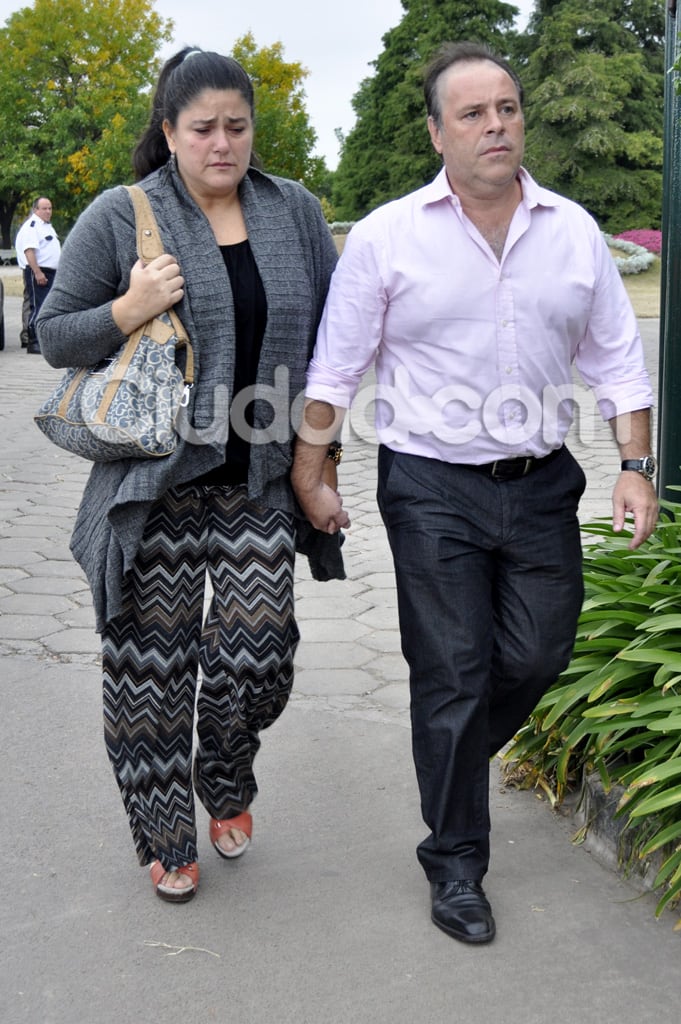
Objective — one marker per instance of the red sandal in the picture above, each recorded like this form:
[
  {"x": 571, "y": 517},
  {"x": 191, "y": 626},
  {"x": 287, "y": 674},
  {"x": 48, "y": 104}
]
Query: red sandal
[
  {"x": 218, "y": 826},
  {"x": 167, "y": 892}
]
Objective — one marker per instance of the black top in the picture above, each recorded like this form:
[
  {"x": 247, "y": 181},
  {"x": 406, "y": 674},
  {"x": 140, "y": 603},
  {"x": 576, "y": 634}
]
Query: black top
[{"x": 250, "y": 317}]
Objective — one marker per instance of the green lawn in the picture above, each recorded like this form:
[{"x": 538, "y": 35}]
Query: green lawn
[{"x": 644, "y": 290}]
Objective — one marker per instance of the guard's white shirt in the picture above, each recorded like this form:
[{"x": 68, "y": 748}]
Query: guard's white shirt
[{"x": 34, "y": 233}]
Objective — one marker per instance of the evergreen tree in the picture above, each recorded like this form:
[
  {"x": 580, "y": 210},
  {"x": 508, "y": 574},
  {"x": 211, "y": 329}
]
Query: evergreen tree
[
  {"x": 593, "y": 71},
  {"x": 388, "y": 152}
]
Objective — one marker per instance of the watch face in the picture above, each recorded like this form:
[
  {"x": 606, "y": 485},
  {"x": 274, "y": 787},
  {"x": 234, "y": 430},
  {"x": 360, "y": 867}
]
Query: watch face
[{"x": 648, "y": 466}]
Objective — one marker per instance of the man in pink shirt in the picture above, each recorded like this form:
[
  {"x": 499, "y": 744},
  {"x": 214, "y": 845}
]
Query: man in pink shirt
[{"x": 472, "y": 297}]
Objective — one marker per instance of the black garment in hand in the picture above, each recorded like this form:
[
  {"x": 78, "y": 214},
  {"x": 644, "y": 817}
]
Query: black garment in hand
[{"x": 323, "y": 551}]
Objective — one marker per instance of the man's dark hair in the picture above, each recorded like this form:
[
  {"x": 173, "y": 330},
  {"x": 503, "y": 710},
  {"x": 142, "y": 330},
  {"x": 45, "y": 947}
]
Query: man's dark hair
[{"x": 459, "y": 53}]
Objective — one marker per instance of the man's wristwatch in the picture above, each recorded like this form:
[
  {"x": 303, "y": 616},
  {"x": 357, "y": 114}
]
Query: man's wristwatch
[{"x": 647, "y": 466}]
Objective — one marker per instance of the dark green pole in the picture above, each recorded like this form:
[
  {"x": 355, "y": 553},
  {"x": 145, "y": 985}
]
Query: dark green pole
[{"x": 669, "y": 414}]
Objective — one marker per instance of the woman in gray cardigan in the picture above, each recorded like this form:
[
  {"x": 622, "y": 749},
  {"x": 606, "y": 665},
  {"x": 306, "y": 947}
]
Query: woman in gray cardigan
[{"x": 247, "y": 265}]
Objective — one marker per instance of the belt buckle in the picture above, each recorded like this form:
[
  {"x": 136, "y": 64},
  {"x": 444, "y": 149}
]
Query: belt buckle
[{"x": 497, "y": 472}]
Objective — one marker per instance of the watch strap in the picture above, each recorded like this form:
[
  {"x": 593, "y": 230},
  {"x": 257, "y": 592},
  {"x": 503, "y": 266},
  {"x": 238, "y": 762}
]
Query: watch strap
[{"x": 646, "y": 466}]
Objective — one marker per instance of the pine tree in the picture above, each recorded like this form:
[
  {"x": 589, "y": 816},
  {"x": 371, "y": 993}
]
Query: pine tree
[{"x": 593, "y": 71}]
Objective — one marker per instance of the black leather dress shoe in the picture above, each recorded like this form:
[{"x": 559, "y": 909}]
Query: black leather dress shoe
[
  {"x": 33, "y": 348},
  {"x": 461, "y": 909}
]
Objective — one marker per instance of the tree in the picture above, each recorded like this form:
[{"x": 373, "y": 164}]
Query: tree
[
  {"x": 75, "y": 77},
  {"x": 594, "y": 77},
  {"x": 388, "y": 152},
  {"x": 284, "y": 138}
]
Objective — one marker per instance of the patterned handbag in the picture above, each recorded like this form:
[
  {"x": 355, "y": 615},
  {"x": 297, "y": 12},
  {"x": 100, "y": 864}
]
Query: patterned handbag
[{"x": 127, "y": 405}]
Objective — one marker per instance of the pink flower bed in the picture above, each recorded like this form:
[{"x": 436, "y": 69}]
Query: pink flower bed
[{"x": 648, "y": 238}]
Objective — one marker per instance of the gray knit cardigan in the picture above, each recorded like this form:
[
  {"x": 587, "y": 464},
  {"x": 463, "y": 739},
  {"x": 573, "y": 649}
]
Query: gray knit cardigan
[{"x": 295, "y": 255}]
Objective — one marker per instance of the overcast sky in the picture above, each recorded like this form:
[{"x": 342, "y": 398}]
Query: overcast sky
[{"x": 336, "y": 44}]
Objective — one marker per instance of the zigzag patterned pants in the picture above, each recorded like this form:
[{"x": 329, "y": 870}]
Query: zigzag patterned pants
[{"x": 153, "y": 649}]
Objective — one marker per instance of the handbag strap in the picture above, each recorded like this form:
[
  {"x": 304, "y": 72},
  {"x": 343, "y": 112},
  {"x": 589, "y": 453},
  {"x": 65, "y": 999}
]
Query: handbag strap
[{"x": 149, "y": 244}]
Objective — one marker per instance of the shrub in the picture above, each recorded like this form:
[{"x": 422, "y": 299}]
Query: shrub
[
  {"x": 636, "y": 259},
  {"x": 649, "y": 239},
  {"x": 616, "y": 709}
]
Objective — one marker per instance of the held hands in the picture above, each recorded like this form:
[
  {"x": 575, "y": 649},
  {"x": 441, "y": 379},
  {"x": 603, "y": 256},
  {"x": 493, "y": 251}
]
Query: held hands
[
  {"x": 634, "y": 494},
  {"x": 323, "y": 507},
  {"x": 318, "y": 497},
  {"x": 154, "y": 287},
  {"x": 313, "y": 475}
]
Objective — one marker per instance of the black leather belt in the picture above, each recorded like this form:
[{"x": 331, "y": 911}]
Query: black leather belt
[{"x": 511, "y": 469}]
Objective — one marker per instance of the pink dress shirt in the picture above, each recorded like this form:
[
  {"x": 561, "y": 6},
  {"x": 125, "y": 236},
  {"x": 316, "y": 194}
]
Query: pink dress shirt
[{"x": 472, "y": 356}]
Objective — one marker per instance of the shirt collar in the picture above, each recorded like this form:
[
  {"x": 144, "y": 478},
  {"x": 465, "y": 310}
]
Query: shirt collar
[{"x": 533, "y": 194}]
